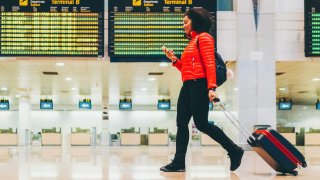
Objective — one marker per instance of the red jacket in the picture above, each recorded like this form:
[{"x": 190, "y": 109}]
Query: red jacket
[{"x": 194, "y": 66}]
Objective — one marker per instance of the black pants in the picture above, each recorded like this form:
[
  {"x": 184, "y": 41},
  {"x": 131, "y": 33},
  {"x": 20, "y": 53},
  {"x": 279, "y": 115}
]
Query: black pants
[{"x": 193, "y": 101}]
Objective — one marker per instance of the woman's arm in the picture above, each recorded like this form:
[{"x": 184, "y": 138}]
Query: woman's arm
[
  {"x": 206, "y": 46},
  {"x": 177, "y": 64}
]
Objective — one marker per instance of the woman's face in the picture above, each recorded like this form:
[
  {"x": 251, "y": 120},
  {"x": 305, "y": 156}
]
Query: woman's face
[{"x": 187, "y": 25}]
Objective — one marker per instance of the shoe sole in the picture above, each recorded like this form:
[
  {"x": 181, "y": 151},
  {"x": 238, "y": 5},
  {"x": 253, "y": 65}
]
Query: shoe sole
[{"x": 172, "y": 171}]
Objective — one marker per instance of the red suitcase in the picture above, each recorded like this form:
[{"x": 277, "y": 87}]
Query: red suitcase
[{"x": 277, "y": 151}]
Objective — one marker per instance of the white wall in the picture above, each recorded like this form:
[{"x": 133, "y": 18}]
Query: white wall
[
  {"x": 50, "y": 119},
  {"x": 289, "y": 29},
  {"x": 226, "y": 35},
  {"x": 66, "y": 120},
  {"x": 289, "y": 6},
  {"x": 143, "y": 119},
  {"x": 160, "y": 119},
  {"x": 289, "y": 24},
  {"x": 9, "y": 119},
  {"x": 300, "y": 116}
]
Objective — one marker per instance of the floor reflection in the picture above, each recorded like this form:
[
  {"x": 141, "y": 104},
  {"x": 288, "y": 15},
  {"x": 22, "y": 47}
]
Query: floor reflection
[{"x": 125, "y": 163}]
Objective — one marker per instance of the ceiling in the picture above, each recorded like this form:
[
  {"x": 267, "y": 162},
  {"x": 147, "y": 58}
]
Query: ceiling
[
  {"x": 24, "y": 77},
  {"x": 105, "y": 83},
  {"x": 300, "y": 81}
]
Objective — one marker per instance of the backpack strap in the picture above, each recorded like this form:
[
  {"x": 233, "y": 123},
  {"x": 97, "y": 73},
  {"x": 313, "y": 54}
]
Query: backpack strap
[{"x": 198, "y": 47}]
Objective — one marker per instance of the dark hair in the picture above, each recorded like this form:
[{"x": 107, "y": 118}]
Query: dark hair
[{"x": 201, "y": 20}]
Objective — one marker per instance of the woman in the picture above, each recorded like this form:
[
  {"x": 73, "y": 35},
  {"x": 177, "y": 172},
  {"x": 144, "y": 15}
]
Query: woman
[{"x": 198, "y": 68}]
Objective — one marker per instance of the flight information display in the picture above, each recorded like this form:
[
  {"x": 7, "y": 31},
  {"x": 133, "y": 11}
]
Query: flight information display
[
  {"x": 139, "y": 28},
  {"x": 312, "y": 28},
  {"x": 52, "y": 28}
]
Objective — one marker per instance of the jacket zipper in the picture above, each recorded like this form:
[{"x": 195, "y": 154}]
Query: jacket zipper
[{"x": 193, "y": 69}]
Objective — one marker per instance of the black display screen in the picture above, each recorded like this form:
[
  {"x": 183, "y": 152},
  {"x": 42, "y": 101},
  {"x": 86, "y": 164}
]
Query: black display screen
[
  {"x": 52, "y": 28},
  {"x": 312, "y": 28},
  {"x": 138, "y": 29}
]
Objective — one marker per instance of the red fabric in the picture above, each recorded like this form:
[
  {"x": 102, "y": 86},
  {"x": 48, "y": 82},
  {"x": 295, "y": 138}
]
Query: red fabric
[
  {"x": 281, "y": 147},
  {"x": 194, "y": 66}
]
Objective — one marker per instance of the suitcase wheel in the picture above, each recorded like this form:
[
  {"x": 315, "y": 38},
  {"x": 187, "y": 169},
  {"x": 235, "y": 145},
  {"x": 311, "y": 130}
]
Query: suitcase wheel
[
  {"x": 295, "y": 173},
  {"x": 304, "y": 164}
]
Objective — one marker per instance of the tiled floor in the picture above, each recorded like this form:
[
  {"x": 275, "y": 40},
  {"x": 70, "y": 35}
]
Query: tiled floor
[{"x": 118, "y": 162}]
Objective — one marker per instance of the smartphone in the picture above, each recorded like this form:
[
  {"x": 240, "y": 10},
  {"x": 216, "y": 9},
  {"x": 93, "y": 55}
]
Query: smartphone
[{"x": 165, "y": 49}]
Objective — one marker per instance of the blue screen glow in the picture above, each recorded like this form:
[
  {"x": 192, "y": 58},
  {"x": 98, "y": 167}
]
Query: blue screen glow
[
  {"x": 46, "y": 105},
  {"x": 285, "y": 106},
  {"x": 4, "y": 106},
  {"x": 125, "y": 105},
  {"x": 84, "y": 105},
  {"x": 164, "y": 105}
]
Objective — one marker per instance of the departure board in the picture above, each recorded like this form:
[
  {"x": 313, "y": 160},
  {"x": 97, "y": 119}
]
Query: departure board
[
  {"x": 312, "y": 28},
  {"x": 138, "y": 29},
  {"x": 52, "y": 28}
]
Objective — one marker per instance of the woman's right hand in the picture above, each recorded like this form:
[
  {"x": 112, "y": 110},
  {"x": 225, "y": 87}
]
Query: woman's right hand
[{"x": 170, "y": 55}]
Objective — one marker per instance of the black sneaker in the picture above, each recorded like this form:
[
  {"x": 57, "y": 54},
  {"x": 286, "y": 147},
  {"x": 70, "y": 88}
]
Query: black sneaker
[
  {"x": 235, "y": 158},
  {"x": 173, "y": 168}
]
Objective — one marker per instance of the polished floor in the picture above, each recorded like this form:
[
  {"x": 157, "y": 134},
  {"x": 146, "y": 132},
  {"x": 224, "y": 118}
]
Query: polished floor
[{"x": 125, "y": 163}]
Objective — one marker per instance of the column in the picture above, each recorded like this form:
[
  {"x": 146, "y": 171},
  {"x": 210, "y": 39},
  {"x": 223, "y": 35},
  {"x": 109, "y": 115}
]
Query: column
[
  {"x": 256, "y": 65},
  {"x": 24, "y": 130}
]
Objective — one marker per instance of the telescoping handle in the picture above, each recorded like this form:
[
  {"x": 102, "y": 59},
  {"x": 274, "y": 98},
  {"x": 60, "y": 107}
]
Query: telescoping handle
[{"x": 235, "y": 121}]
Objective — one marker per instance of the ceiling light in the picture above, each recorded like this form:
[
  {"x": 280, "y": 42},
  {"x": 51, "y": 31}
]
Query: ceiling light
[
  {"x": 73, "y": 89},
  {"x": 143, "y": 89},
  {"x": 4, "y": 89},
  {"x": 59, "y": 64},
  {"x": 236, "y": 89},
  {"x": 316, "y": 79},
  {"x": 18, "y": 96},
  {"x": 68, "y": 78},
  {"x": 282, "y": 89},
  {"x": 164, "y": 64},
  {"x": 151, "y": 79}
]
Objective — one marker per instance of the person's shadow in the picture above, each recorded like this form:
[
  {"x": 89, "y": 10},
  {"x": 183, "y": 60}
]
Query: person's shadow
[
  {"x": 173, "y": 175},
  {"x": 234, "y": 176}
]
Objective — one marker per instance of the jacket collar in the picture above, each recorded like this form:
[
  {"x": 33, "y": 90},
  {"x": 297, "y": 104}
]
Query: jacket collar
[{"x": 193, "y": 34}]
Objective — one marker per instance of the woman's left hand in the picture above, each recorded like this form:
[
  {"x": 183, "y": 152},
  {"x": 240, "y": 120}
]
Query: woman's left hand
[{"x": 212, "y": 95}]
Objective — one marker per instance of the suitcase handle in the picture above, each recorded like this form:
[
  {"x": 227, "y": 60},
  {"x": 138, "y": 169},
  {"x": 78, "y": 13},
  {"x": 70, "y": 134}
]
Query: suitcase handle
[
  {"x": 216, "y": 100},
  {"x": 240, "y": 127}
]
